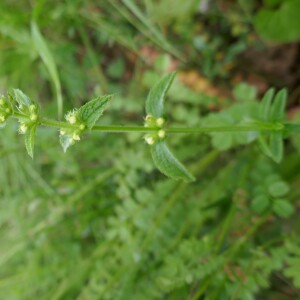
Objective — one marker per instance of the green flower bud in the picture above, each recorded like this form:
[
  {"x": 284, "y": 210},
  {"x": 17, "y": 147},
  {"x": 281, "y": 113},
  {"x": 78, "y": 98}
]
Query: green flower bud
[
  {"x": 2, "y": 118},
  {"x": 71, "y": 118},
  {"x": 149, "y": 118},
  {"x": 75, "y": 137},
  {"x": 161, "y": 134},
  {"x": 150, "y": 140},
  {"x": 23, "y": 128},
  {"x": 32, "y": 108},
  {"x": 160, "y": 122},
  {"x": 150, "y": 121},
  {"x": 33, "y": 117}
]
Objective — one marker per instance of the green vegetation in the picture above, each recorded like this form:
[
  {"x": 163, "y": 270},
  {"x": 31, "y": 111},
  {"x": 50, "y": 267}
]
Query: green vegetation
[{"x": 169, "y": 185}]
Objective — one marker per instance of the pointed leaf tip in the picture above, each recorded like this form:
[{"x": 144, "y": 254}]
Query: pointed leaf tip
[
  {"x": 157, "y": 95},
  {"x": 272, "y": 145},
  {"x": 265, "y": 104},
  {"x": 20, "y": 97},
  {"x": 168, "y": 164},
  {"x": 278, "y": 107},
  {"x": 276, "y": 146},
  {"x": 29, "y": 140},
  {"x": 90, "y": 112}
]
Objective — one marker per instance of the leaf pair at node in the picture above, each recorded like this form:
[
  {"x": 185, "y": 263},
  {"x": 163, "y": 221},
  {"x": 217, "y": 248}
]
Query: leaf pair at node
[
  {"x": 272, "y": 110},
  {"x": 28, "y": 114},
  {"x": 163, "y": 158},
  {"x": 83, "y": 118},
  {"x": 29, "y": 118}
]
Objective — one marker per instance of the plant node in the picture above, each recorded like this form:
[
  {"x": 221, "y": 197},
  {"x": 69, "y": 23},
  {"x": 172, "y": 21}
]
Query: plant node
[{"x": 150, "y": 140}]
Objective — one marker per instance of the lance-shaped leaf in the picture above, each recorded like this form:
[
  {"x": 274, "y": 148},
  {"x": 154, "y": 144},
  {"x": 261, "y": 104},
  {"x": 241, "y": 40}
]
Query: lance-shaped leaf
[
  {"x": 44, "y": 52},
  {"x": 265, "y": 105},
  {"x": 276, "y": 146},
  {"x": 167, "y": 163},
  {"x": 29, "y": 140},
  {"x": 92, "y": 110},
  {"x": 272, "y": 145},
  {"x": 157, "y": 95},
  {"x": 263, "y": 144},
  {"x": 21, "y": 98},
  {"x": 278, "y": 107}
]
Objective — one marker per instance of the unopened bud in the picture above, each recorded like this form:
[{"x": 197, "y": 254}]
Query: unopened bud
[
  {"x": 75, "y": 137},
  {"x": 33, "y": 117},
  {"x": 160, "y": 122},
  {"x": 2, "y": 102},
  {"x": 71, "y": 119},
  {"x": 62, "y": 132},
  {"x": 149, "y": 118},
  {"x": 161, "y": 134},
  {"x": 23, "y": 128},
  {"x": 2, "y": 118},
  {"x": 32, "y": 108},
  {"x": 82, "y": 127},
  {"x": 150, "y": 121},
  {"x": 149, "y": 140}
]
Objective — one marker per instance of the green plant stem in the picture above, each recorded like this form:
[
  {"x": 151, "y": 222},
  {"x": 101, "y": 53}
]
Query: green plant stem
[
  {"x": 259, "y": 127},
  {"x": 175, "y": 130},
  {"x": 228, "y": 128}
]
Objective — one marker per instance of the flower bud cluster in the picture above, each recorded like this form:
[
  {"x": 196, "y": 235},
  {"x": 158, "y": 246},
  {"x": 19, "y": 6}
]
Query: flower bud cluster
[
  {"x": 156, "y": 123},
  {"x": 73, "y": 134},
  {"x": 5, "y": 110},
  {"x": 32, "y": 112}
]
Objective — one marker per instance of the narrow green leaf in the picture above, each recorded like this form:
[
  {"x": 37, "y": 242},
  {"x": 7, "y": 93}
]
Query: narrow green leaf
[
  {"x": 276, "y": 146},
  {"x": 29, "y": 140},
  {"x": 167, "y": 163},
  {"x": 92, "y": 110},
  {"x": 152, "y": 31},
  {"x": 263, "y": 145},
  {"x": 278, "y": 107},
  {"x": 265, "y": 105},
  {"x": 272, "y": 145},
  {"x": 46, "y": 55},
  {"x": 21, "y": 98},
  {"x": 157, "y": 95}
]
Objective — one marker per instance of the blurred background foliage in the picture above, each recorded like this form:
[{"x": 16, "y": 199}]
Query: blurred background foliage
[{"x": 100, "y": 222}]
